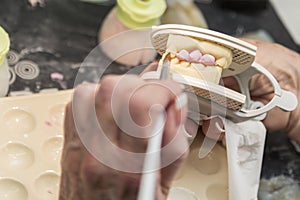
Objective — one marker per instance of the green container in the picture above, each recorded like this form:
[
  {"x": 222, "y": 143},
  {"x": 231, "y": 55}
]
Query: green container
[
  {"x": 4, "y": 44},
  {"x": 140, "y": 13}
]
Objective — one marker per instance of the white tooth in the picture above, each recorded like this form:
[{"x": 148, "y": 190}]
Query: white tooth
[
  {"x": 195, "y": 55},
  {"x": 183, "y": 55},
  {"x": 208, "y": 59}
]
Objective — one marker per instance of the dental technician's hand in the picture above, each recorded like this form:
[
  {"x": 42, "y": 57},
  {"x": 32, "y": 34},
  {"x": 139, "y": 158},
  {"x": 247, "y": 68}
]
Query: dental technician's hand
[
  {"x": 284, "y": 64},
  {"x": 104, "y": 145}
]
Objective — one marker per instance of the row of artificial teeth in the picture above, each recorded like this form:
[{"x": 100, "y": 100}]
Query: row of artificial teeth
[{"x": 196, "y": 56}]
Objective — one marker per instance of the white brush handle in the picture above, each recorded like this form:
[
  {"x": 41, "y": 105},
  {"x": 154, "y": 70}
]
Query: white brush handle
[{"x": 152, "y": 162}]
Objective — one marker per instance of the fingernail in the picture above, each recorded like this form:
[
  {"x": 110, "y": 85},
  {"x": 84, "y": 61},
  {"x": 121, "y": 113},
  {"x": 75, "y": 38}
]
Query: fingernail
[
  {"x": 181, "y": 101},
  {"x": 217, "y": 125},
  {"x": 185, "y": 132}
]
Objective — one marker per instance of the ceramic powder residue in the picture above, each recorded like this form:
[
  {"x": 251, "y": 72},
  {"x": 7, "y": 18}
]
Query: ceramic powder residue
[
  {"x": 34, "y": 3},
  {"x": 279, "y": 187}
]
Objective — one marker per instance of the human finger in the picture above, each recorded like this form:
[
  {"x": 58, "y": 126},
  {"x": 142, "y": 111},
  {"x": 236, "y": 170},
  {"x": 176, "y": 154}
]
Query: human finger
[
  {"x": 73, "y": 149},
  {"x": 151, "y": 67},
  {"x": 175, "y": 142},
  {"x": 213, "y": 128},
  {"x": 140, "y": 110},
  {"x": 231, "y": 82}
]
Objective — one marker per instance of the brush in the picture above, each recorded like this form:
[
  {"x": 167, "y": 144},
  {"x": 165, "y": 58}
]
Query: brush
[{"x": 153, "y": 157}]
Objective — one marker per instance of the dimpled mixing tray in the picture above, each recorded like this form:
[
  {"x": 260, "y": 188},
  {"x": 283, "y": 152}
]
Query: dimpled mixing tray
[
  {"x": 202, "y": 179},
  {"x": 30, "y": 148},
  {"x": 30, "y": 145}
]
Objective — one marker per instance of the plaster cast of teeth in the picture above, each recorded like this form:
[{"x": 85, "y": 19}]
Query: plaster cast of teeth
[{"x": 228, "y": 55}]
